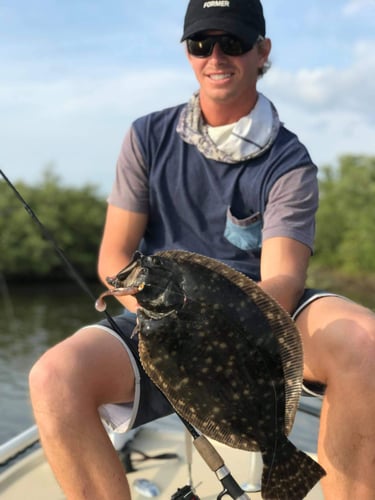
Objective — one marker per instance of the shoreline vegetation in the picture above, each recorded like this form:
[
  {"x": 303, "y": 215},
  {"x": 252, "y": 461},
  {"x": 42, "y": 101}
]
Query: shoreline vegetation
[
  {"x": 361, "y": 289},
  {"x": 343, "y": 261}
]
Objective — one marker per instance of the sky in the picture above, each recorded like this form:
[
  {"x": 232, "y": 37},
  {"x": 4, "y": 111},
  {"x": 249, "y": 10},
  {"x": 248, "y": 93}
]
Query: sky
[{"x": 74, "y": 74}]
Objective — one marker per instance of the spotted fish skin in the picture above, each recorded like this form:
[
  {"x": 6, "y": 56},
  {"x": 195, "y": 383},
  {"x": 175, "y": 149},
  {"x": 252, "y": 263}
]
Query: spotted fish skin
[{"x": 227, "y": 357}]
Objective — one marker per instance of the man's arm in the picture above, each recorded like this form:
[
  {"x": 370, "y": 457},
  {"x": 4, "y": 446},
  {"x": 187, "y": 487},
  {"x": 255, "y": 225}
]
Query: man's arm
[
  {"x": 123, "y": 231},
  {"x": 284, "y": 264}
]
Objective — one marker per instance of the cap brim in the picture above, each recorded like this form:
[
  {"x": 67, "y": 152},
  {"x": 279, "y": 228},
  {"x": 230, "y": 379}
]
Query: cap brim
[{"x": 242, "y": 31}]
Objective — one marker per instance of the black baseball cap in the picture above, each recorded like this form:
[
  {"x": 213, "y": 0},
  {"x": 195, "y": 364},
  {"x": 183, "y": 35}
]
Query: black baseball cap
[{"x": 242, "y": 18}]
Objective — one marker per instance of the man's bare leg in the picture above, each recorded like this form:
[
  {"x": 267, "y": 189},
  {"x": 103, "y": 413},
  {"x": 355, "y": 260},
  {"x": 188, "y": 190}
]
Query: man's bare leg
[
  {"x": 340, "y": 351},
  {"x": 67, "y": 385}
]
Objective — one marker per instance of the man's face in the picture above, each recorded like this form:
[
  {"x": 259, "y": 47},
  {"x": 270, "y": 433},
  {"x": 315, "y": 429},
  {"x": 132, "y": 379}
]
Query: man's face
[{"x": 229, "y": 79}]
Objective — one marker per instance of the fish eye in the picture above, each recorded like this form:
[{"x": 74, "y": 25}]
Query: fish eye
[{"x": 155, "y": 260}]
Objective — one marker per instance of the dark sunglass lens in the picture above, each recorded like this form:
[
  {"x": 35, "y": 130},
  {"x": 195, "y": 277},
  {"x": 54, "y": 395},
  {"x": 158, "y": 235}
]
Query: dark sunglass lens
[
  {"x": 231, "y": 46},
  {"x": 200, "y": 47}
]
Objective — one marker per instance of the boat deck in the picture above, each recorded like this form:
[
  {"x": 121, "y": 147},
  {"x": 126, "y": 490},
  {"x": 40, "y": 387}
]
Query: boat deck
[{"x": 31, "y": 477}]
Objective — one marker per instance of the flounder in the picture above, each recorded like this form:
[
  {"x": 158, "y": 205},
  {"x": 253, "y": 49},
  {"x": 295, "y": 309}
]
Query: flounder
[{"x": 226, "y": 355}]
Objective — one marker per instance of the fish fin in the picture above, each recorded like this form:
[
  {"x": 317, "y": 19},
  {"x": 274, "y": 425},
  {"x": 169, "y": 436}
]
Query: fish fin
[{"x": 290, "y": 474}]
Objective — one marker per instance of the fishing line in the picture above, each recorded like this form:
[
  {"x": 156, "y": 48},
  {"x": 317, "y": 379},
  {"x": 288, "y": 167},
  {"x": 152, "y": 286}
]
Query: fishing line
[{"x": 49, "y": 237}]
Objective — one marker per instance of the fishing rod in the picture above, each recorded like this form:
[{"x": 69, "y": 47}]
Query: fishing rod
[
  {"x": 48, "y": 236},
  {"x": 201, "y": 443},
  {"x": 215, "y": 462}
]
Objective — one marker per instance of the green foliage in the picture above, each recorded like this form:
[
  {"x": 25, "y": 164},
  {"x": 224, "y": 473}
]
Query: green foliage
[
  {"x": 345, "y": 238},
  {"x": 73, "y": 217}
]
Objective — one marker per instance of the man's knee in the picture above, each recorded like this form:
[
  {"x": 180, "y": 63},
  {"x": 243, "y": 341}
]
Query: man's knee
[
  {"x": 86, "y": 370},
  {"x": 361, "y": 351},
  {"x": 352, "y": 356},
  {"x": 48, "y": 375},
  {"x": 59, "y": 373},
  {"x": 339, "y": 340}
]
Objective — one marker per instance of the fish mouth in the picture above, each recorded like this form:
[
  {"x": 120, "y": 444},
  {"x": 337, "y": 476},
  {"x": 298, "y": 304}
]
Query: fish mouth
[{"x": 100, "y": 303}]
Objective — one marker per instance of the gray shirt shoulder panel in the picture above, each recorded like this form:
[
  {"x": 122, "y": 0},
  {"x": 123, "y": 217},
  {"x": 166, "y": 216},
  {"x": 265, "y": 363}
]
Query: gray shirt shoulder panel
[
  {"x": 130, "y": 188},
  {"x": 291, "y": 207}
]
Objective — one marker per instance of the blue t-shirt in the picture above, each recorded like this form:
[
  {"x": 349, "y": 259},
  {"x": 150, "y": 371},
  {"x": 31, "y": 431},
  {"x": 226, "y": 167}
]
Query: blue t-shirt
[{"x": 210, "y": 207}]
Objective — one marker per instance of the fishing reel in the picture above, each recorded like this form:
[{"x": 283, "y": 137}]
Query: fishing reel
[{"x": 185, "y": 493}]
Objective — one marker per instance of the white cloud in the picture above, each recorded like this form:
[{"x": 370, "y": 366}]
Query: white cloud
[
  {"x": 323, "y": 89},
  {"x": 79, "y": 124},
  {"x": 331, "y": 109}
]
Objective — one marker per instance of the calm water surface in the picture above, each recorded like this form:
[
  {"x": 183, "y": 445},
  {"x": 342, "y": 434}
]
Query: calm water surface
[
  {"x": 31, "y": 320},
  {"x": 34, "y": 318}
]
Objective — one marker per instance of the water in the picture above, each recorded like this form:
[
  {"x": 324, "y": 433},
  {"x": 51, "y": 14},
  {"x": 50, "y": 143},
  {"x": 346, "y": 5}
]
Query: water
[{"x": 34, "y": 318}]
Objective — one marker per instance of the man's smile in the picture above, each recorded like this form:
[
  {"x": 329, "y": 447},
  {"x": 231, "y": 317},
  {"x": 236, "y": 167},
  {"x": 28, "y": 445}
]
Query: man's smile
[{"x": 219, "y": 76}]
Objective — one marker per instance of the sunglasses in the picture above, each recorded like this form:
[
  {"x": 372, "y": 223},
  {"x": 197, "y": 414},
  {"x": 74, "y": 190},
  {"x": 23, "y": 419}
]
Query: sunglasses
[{"x": 203, "y": 45}]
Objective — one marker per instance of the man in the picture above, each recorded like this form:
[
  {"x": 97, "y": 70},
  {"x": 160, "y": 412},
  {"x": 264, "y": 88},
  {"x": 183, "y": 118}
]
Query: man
[{"x": 219, "y": 176}]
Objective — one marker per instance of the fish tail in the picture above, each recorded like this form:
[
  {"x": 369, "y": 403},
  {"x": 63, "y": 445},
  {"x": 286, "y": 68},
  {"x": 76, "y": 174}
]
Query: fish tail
[{"x": 289, "y": 474}]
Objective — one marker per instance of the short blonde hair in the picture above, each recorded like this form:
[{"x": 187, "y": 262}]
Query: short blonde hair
[{"x": 263, "y": 70}]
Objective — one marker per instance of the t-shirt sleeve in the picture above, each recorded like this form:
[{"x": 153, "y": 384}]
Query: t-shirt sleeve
[
  {"x": 130, "y": 188},
  {"x": 292, "y": 205}
]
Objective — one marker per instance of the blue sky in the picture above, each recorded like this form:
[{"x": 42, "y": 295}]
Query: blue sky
[{"x": 75, "y": 73}]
